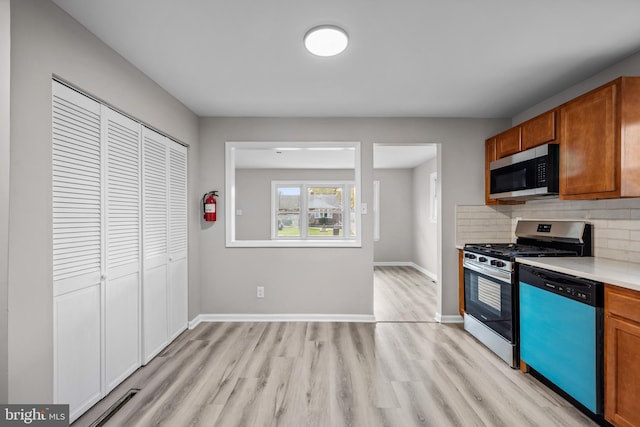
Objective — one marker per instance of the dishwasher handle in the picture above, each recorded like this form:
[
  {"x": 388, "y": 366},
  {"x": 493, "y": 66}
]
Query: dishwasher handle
[{"x": 579, "y": 289}]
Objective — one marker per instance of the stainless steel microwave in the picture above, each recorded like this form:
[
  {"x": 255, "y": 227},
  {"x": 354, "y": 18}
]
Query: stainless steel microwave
[{"x": 526, "y": 175}]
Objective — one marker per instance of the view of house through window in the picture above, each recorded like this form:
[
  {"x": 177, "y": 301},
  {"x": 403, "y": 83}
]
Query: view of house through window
[{"x": 312, "y": 210}]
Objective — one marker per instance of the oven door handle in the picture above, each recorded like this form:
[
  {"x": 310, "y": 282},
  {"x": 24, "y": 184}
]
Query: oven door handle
[{"x": 503, "y": 276}]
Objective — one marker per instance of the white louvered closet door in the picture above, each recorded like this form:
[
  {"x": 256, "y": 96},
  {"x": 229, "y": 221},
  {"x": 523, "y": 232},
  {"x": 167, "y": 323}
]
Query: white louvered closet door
[
  {"x": 178, "y": 267},
  {"x": 121, "y": 137},
  {"x": 155, "y": 243},
  {"x": 119, "y": 246},
  {"x": 77, "y": 249}
]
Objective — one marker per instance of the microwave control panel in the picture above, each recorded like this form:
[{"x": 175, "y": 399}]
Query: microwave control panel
[{"x": 541, "y": 173}]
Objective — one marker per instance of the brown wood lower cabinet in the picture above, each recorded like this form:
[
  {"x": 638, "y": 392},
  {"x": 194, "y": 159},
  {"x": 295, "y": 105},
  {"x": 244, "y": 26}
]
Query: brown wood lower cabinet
[{"x": 622, "y": 356}]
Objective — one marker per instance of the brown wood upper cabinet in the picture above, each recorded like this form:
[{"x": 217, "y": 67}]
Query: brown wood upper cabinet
[
  {"x": 621, "y": 356},
  {"x": 600, "y": 142},
  {"x": 489, "y": 156},
  {"x": 539, "y": 130},
  {"x": 536, "y": 131},
  {"x": 508, "y": 142}
]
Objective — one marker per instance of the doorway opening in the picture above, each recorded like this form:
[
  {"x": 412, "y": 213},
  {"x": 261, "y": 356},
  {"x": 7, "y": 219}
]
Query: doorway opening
[{"x": 406, "y": 256}]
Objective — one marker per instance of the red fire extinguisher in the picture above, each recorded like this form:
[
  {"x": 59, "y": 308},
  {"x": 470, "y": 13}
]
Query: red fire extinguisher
[{"x": 209, "y": 205}]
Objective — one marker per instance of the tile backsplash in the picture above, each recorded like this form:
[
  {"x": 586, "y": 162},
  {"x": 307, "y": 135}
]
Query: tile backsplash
[
  {"x": 481, "y": 224},
  {"x": 616, "y": 223}
]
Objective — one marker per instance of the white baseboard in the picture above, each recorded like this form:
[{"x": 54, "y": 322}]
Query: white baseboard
[
  {"x": 452, "y": 318},
  {"x": 422, "y": 270},
  {"x": 394, "y": 263},
  {"x": 358, "y": 318},
  {"x": 426, "y": 272}
]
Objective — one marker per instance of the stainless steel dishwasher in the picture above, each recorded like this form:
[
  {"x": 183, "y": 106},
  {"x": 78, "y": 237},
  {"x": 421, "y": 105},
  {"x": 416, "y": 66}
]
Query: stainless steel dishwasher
[{"x": 561, "y": 334}]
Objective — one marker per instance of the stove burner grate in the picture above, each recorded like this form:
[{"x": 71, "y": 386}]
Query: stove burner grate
[{"x": 513, "y": 250}]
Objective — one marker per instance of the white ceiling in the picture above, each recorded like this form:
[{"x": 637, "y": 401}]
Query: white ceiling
[{"x": 407, "y": 58}]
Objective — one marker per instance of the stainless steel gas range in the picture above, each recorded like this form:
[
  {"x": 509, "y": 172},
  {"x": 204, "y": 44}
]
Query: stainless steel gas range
[{"x": 491, "y": 282}]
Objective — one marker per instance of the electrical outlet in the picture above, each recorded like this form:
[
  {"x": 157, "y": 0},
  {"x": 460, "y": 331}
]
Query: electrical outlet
[{"x": 260, "y": 292}]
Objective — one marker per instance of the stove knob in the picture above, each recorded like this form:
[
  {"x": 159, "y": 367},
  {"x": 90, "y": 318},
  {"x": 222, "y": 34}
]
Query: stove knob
[
  {"x": 500, "y": 264},
  {"x": 470, "y": 256},
  {"x": 482, "y": 259},
  {"x": 494, "y": 262}
]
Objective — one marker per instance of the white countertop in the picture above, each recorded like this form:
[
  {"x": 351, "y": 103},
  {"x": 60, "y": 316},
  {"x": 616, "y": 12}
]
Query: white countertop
[{"x": 623, "y": 274}]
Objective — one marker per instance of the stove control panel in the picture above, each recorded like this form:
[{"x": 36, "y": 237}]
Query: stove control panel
[
  {"x": 487, "y": 261},
  {"x": 544, "y": 228}
]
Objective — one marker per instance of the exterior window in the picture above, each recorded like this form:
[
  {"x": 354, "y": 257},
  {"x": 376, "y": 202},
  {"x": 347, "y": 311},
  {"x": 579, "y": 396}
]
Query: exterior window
[
  {"x": 310, "y": 210},
  {"x": 288, "y": 210}
]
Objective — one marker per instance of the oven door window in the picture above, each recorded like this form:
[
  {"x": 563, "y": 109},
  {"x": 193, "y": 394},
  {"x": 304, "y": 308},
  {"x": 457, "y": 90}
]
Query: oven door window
[{"x": 489, "y": 301}]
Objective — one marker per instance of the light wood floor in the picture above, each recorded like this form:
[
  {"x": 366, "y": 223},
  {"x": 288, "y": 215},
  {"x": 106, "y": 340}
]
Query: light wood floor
[
  {"x": 403, "y": 294},
  {"x": 333, "y": 374}
]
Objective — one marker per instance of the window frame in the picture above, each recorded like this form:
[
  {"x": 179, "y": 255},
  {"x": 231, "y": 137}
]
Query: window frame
[
  {"x": 376, "y": 210},
  {"x": 229, "y": 202},
  {"x": 433, "y": 197}
]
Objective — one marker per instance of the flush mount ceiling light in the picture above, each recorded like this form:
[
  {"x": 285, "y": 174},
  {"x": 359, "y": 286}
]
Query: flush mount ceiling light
[{"x": 326, "y": 40}]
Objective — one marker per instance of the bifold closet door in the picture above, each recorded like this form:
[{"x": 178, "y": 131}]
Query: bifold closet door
[
  {"x": 119, "y": 246},
  {"x": 178, "y": 267},
  {"x": 96, "y": 248},
  {"x": 155, "y": 243},
  {"x": 164, "y": 242},
  {"x": 77, "y": 249},
  {"x": 121, "y": 137}
]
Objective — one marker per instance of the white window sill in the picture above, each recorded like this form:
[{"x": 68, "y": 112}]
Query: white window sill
[{"x": 294, "y": 244}]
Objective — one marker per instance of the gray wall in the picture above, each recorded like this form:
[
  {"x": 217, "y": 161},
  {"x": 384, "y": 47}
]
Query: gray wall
[
  {"x": 347, "y": 286},
  {"x": 46, "y": 41},
  {"x": 396, "y": 208},
  {"x": 628, "y": 67},
  {"x": 5, "y": 83},
  {"x": 425, "y": 243},
  {"x": 253, "y": 196}
]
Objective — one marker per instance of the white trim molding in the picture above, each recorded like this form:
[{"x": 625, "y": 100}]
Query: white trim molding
[
  {"x": 450, "y": 318},
  {"x": 231, "y": 150},
  {"x": 355, "y": 318}
]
